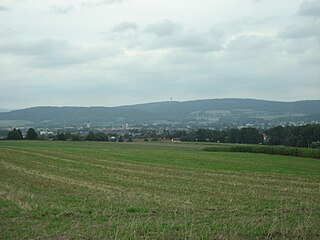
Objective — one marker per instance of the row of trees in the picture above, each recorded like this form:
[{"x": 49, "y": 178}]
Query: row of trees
[
  {"x": 16, "y": 134},
  {"x": 64, "y": 136},
  {"x": 303, "y": 136},
  {"x": 244, "y": 135}
]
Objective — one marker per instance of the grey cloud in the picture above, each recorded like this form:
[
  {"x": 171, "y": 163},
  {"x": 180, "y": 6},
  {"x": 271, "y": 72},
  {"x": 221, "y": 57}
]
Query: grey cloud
[
  {"x": 125, "y": 26},
  {"x": 164, "y": 28},
  {"x": 155, "y": 36},
  {"x": 299, "y": 46},
  {"x": 249, "y": 43},
  {"x": 8, "y": 32},
  {"x": 100, "y": 3},
  {"x": 55, "y": 52},
  {"x": 168, "y": 34},
  {"x": 252, "y": 50},
  {"x": 193, "y": 41},
  {"x": 181, "y": 57},
  {"x": 4, "y": 8},
  {"x": 310, "y": 8},
  {"x": 303, "y": 29},
  {"x": 311, "y": 57},
  {"x": 35, "y": 48},
  {"x": 60, "y": 10},
  {"x": 304, "y": 50}
]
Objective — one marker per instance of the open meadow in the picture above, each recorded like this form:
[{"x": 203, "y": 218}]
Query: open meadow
[{"x": 88, "y": 190}]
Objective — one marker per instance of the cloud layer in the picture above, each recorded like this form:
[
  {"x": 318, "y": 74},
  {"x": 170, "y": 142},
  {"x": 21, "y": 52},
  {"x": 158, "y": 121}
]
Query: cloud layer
[
  {"x": 3, "y": 8},
  {"x": 121, "y": 52}
]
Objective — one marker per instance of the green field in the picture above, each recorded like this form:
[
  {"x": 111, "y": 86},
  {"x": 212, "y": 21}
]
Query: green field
[{"x": 85, "y": 190}]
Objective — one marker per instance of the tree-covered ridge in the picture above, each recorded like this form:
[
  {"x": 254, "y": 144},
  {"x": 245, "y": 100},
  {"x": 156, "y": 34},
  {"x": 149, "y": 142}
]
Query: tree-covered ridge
[{"x": 219, "y": 110}]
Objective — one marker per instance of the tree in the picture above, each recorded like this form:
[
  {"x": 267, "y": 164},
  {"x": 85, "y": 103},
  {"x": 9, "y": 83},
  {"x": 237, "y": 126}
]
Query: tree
[
  {"x": 96, "y": 137},
  {"x": 120, "y": 139},
  {"x": 251, "y": 136},
  {"x": 234, "y": 136},
  {"x": 15, "y": 134},
  {"x": 68, "y": 136},
  {"x": 303, "y": 136},
  {"x": 277, "y": 135},
  {"x": 61, "y": 137},
  {"x": 31, "y": 134},
  {"x": 203, "y": 135},
  {"x": 75, "y": 137}
]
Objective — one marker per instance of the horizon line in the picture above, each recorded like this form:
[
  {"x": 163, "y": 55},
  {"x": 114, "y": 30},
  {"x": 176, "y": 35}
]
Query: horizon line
[{"x": 156, "y": 102}]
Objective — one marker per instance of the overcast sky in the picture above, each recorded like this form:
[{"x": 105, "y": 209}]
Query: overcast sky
[{"x": 116, "y": 52}]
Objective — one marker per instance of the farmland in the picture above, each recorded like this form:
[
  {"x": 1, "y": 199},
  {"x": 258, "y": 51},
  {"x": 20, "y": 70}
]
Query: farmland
[{"x": 85, "y": 190}]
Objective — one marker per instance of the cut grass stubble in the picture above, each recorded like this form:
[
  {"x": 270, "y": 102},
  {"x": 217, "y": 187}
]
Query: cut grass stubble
[{"x": 58, "y": 190}]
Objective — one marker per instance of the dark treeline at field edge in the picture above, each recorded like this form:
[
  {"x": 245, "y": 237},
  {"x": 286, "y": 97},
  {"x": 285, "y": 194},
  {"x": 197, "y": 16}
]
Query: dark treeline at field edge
[{"x": 302, "y": 136}]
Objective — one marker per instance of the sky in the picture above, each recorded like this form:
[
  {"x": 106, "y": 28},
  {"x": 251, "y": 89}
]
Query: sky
[{"x": 123, "y": 52}]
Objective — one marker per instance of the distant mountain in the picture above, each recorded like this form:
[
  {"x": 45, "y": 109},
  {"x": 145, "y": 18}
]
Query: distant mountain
[
  {"x": 200, "y": 111},
  {"x": 5, "y": 110}
]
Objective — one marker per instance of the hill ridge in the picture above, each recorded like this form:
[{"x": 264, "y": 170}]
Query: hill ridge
[{"x": 219, "y": 110}]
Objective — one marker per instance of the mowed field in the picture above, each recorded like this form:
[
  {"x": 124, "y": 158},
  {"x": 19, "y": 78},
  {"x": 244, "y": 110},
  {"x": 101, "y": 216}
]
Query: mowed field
[{"x": 85, "y": 190}]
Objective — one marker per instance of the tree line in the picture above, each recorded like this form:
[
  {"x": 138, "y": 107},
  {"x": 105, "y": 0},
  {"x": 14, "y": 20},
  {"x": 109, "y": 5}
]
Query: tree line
[
  {"x": 293, "y": 136},
  {"x": 301, "y": 136},
  {"x": 16, "y": 134}
]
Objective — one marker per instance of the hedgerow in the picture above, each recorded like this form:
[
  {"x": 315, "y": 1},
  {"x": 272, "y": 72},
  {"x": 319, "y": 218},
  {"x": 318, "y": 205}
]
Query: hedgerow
[{"x": 272, "y": 150}]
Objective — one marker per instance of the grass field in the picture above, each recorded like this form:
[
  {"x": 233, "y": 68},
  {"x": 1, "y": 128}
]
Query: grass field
[{"x": 85, "y": 190}]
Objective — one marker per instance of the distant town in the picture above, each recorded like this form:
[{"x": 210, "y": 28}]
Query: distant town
[
  {"x": 295, "y": 134},
  {"x": 214, "y": 120}
]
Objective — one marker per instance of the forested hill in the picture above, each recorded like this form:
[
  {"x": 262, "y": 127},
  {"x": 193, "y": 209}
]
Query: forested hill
[{"x": 214, "y": 110}]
